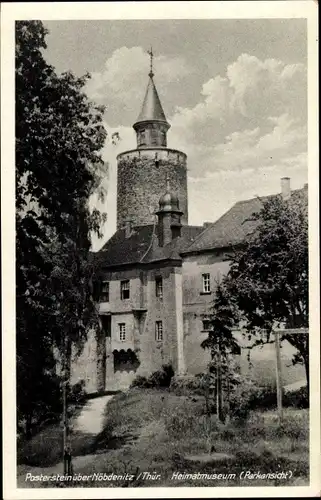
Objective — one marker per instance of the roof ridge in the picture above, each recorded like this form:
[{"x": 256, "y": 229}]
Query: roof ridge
[{"x": 208, "y": 228}]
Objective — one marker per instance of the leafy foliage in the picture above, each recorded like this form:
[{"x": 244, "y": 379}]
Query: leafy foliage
[
  {"x": 247, "y": 397},
  {"x": 268, "y": 277},
  {"x": 222, "y": 321},
  {"x": 222, "y": 345},
  {"x": 59, "y": 135},
  {"x": 159, "y": 378}
]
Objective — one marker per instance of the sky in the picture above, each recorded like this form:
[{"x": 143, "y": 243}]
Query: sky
[{"x": 234, "y": 92}]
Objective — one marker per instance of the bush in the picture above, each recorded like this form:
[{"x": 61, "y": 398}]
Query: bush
[
  {"x": 160, "y": 378},
  {"x": 298, "y": 399},
  {"x": 246, "y": 397},
  {"x": 263, "y": 398},
  {"x": 186, "y": 385},
  {"x": 139, "y": 381},
  {"x": 78, "y": 394}
]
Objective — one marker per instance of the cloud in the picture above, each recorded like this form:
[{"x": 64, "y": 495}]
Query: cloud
[
  {"x": 109, "y": 153},
  {"x": 247, "y": 129},
  {"x": 126, "y": 70},
  {"x": 212, "y": 194},
  {"x": 255, "y": 111},
  {"x": 261, "y": 87}
]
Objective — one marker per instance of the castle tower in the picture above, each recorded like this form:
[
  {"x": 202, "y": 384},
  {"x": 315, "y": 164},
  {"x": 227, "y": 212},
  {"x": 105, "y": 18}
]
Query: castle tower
[{"x": 141, "y": 171}]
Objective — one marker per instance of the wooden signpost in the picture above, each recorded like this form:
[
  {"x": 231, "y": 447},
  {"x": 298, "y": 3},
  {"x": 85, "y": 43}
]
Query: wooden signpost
[{"x": 279, "y": 383}]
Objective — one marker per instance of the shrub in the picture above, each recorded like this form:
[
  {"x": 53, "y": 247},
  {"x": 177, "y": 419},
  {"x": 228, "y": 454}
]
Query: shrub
[
  {"x": 186, "y": 386},
  {"x": 139, "y": 381},
  {"x": 297, "y": 399},
  {"x": 240, "y": 399},
  {"x": 247, "y": 397},
  {"x": 263, "y": 398},
  {"x": 78, "y": 393},
  {"x": 160, "y": 378}
]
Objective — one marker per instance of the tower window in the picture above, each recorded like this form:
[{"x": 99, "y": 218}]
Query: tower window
[
  {"x": 159, "y": 287},
  {"x": 122, "y": 332},
  {"x": 104, "y": 294},
  {"x": 124, "y": 289},
  {"x": 206, "y": 283},
  {"x": 142, "y": 137},
  {"x": 159, "y": 331}
]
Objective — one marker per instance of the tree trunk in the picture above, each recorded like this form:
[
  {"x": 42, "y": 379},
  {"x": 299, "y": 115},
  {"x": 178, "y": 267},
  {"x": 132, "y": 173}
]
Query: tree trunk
[
  {"x": 66, "y": 391},
  {"x": 307, "y": 370}
]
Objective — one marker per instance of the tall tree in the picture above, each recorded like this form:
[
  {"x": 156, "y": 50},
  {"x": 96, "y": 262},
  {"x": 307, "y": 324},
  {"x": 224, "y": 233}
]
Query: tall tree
[
  {"x": 220, "y": 341},
  {"x": 59, "y": 136},
  {"x": 268, "y": 277}
]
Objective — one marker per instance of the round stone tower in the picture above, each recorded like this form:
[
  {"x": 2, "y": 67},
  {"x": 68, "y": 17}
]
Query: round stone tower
[{"x": 142, "y": 172}]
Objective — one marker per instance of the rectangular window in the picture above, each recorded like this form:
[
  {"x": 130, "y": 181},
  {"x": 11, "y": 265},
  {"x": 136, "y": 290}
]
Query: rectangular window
[
  {"x": 159, "y": 331},
  {"x": 159, "y": 287},
  {"x": 141, "y": 137},
  {"x": 124, "y": 289},
  {"x": 206, "y": 325},
  {"x": 206, "y": 283},
  {"x": 122, "y": 332},
  {"x": 104, "y": 293}
]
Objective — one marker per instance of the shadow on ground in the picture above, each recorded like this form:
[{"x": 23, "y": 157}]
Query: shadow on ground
[{"x": 46, "y": 448}]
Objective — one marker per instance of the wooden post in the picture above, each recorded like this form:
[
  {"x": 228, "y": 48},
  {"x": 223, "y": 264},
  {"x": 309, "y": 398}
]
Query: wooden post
[
  {"x": 64, "y": 404},
  {"x": 279, "y": 388},
  {"x": 67, "y": 465}
]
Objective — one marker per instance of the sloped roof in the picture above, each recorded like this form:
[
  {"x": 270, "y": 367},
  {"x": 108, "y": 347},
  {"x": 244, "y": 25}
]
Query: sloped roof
[
  {"x": 141, "y": 246},
  {"x": 152, "y": 108},
  {"x": 233, "y": 227}
]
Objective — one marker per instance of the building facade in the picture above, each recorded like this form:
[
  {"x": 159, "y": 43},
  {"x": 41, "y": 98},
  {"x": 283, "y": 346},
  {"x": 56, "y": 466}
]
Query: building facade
[{"x": 157, "y": 274}]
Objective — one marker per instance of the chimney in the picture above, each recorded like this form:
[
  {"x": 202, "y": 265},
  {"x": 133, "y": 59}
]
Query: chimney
[
  {"x": 285, "y": 188},
  {"x": 207, "y": 224}
]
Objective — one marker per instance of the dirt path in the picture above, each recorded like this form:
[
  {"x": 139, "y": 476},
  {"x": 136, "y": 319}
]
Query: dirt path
[
  {"x": 90, "y": 420},
  {"x": 88, "y": 423}
]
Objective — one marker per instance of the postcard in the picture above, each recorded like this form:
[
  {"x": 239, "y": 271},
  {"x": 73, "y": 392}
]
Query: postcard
[{"x": 160, "y": 249}]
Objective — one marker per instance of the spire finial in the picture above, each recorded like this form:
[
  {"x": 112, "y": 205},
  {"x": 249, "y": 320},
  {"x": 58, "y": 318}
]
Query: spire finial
[{"x": 151, "y": 55}]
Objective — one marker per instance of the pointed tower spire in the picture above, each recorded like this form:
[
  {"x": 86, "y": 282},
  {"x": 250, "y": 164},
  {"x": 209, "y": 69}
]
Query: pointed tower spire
[{"x": 151, "y": 125}]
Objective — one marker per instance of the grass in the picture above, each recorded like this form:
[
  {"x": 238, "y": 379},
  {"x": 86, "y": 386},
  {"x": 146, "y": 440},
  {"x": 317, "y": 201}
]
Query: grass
[{"x": 155, "y": 431}]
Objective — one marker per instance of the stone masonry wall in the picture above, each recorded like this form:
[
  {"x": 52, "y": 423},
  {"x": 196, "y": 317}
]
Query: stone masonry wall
[{"x": 141, "y": 181}]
